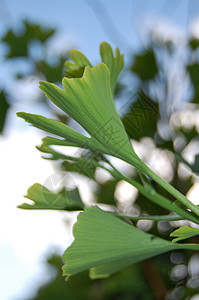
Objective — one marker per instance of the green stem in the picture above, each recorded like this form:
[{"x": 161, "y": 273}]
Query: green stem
[
  {"x": 151, "y": 218},
  {"x": 152, "y": 195},
  {"x": 146, "y": 170},
  {"x": 172, "y": 191},
  {"x": 188, "y": 246},
  {"x": 162, "y": 201}
]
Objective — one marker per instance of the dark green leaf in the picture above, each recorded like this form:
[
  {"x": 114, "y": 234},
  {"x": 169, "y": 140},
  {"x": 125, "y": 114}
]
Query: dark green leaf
[
  {"x": 4, "y": 106},
  {"x": 53, "y": 73},
  {"x": 38, "y": 32},
  {"x": 145, "y": 65},
  {"x": 18, "y": 44},
  {"x": 194, "y": 43},
  {"x": 149, "y": 207},
  {"x": 86, "y": 168},
  {"x": 193, "y": 71},
  {"x": 195, "y": 166},
  {"x": 105, "y": 192},
  {"x": 141, "y": 118}
]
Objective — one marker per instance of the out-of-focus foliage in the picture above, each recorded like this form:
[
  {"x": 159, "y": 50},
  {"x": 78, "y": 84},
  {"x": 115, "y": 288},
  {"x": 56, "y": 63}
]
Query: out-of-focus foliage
[
  {"x": 19, "y": 43},
  {"x": 142, "y": 116},
  {"x": 131, "y": 283},
  {"x": 4, "y": 106},
  {"x": 147, "y": 58},
  {"x": 151, "y": 279}
]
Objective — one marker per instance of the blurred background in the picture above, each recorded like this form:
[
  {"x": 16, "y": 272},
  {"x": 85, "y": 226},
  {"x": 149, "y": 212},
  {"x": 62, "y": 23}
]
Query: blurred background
[{"x": 157, "y": 99}]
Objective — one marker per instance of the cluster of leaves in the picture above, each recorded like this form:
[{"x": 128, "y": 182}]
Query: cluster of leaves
[
  {"x": 104, "y": 243},
  {"x": 19, "y": 45}
]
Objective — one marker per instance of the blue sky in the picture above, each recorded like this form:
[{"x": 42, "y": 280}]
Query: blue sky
[
  {"x": 77, "y": 20},
  {"x": 82, "y": 27}
]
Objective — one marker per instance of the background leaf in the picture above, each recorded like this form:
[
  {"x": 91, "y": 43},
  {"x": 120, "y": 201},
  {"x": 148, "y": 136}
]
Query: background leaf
[
  {"x": 145, "y": 65},
  {"x": 4, "y": 106},
  {"x": 142, "y": 116},
  {"x": 45, "y": 199},
  {"x": 18, "y": 44}
]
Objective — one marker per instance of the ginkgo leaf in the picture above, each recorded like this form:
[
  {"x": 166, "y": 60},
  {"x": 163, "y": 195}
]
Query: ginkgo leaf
[
  {"x": 45, "y": 199},
  {"x": 72, "y": 138},
  {"x": 52, "y": 154},
  {"x": 183, "y": 233},
  {"x": 81, "y": 165},
  {"x": 115, "y": 64},
  {"x": 107, "y": 244},
  {"x": 89, "y": 101},
  {"x": 76, "y": 69}
]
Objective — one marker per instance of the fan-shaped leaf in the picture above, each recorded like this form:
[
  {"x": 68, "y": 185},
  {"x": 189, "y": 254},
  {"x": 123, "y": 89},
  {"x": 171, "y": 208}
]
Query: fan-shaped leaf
[
  {"x": 76, "y": 69},
  {"x": 107, "y": 244},
  {"x": 88, "y": 100},
  {"x": 115, "y": 64}
]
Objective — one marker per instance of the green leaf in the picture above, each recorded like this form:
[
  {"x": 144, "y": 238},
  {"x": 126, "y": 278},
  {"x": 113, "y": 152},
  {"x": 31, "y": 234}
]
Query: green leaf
[
  {"x": 48, "y": 140},
  {"x": 54, "y": 155},
  {"x": 76, "y": 69},
  {"x": 141, "y": 119},
  {"x": 88, "y": 100},
  {"x": 35, "y": 31},
  {"x": 104, "y": 242},
  {"x": 4, "y": 106},
  {"x": 148, "y": 206},
  {"x": 115, "y": 64},
  {"x": 85, "y": 165},
  {"x": 52, "y": 73},
  {"x": 145, "y": 65},
  {"x": 85, "y": 168},
  {"x": 72, "y": 138},
  {"x": 194, "y": 43},
  {"x": 193, "y": 71},
  {"x": 45, "y": 199},
  {"x": 183, "y": 233},
  {"x": 18, "y": 44},
  {"x": 105, "y": 192}
]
